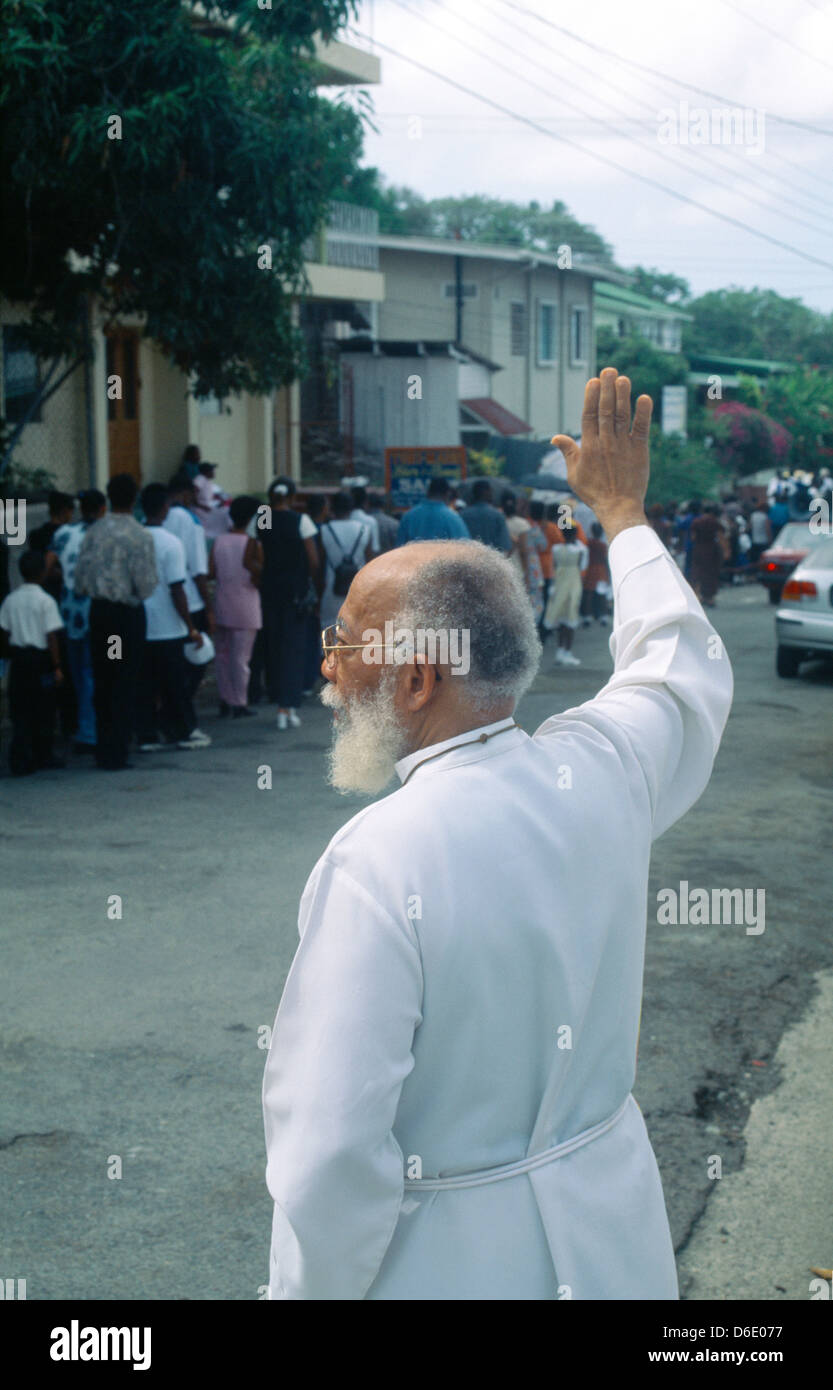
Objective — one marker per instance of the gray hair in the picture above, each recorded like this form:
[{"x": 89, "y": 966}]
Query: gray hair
[{"x": 472, "y": 587}]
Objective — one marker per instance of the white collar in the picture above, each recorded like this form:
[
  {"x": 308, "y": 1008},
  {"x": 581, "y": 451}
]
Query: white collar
[{"x": 477, "y": 737}]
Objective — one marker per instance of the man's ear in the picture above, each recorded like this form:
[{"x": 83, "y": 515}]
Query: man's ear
[{"x": 422, "y": 682}]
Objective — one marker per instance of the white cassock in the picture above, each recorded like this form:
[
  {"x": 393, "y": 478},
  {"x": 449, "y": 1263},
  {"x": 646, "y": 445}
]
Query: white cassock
[{"x": 430, "y": 1133}]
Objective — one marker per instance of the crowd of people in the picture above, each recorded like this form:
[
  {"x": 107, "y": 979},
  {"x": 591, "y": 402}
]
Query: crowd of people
[
  {"x": 111, "y": 630},
  {"x": 716, "y": 543}
]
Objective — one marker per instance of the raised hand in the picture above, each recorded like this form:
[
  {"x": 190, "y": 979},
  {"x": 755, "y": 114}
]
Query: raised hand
[{"x": 610, "y": 470}]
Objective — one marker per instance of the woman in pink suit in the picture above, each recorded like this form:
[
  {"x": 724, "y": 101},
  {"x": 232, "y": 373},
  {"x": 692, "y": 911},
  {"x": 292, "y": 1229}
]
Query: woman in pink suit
[{"x": 235, "y": 564}]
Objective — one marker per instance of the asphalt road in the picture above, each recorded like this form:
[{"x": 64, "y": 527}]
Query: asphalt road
[{"x": 136, "y": 1038}]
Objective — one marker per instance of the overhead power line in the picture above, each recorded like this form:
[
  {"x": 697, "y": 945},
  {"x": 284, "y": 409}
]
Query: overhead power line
[
  {"x": 782, "y": 38},
  {"x": 652, "y": 149},
  {"x": 643, "y": 67},
  {"x": 601, "y": 158}
]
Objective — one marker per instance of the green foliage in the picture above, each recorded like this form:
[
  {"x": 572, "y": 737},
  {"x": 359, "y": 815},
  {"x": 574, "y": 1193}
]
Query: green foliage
[
  {"x": 802, "y": 402},
  {"x": 16, "y": 481},
  {"x": 746, "y": 440},
  {"x": 484, "y": 463},
  {"x": 225, "y": 146},
  {"x": 681, "y": 469},
  {"x": 750, "y": 391},
  {"x": 477, "y": 217},
  {"x": 656, "y": 284},
  {"x": 648, "y": 368},
  {"x": 758, "y": 324}
]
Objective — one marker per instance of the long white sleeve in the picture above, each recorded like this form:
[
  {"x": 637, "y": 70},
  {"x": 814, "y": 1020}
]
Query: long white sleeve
[
  {"x": 340, "y": 1051},
  {"x": 667, "y": 702}
]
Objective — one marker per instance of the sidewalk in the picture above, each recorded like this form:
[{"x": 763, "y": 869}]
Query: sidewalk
[{"x": 768, "y": 1223}]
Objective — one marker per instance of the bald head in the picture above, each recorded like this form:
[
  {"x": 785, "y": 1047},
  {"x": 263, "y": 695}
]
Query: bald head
[{"x": 471, "y": 595}]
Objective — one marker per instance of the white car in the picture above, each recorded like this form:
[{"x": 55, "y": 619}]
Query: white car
[{"x": 804, "y": 621}]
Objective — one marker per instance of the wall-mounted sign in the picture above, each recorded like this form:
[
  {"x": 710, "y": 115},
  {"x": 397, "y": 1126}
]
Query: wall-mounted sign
[{"x": 408, "y": 471}]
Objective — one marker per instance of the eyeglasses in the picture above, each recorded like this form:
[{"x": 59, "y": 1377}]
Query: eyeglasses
[{"x": 330, "y": 645}]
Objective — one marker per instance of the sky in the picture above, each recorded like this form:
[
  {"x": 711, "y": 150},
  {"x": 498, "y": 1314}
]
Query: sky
[{"x": 770, "y": 59}]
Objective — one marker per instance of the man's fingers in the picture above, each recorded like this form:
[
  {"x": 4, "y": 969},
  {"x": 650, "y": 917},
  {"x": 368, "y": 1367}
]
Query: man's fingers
[
  {"x": 642, "y": 418},
  {"x": 607, "y": 400},
  {"x": 590, "y": 414},
  {"x": 568, "y": 447},
  {"x": 622, "y": 418}
]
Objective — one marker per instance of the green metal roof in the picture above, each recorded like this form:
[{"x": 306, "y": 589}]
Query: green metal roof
[
  {"x": 616, "y": 295},
  {"x": 753, "y": 363}
]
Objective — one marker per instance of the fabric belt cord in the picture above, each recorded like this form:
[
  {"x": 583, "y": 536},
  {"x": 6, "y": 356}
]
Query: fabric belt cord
[{"x": 524, "y": 1165}]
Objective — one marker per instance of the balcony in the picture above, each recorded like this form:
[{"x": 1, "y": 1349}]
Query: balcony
[{"x": 349, "y": 237}]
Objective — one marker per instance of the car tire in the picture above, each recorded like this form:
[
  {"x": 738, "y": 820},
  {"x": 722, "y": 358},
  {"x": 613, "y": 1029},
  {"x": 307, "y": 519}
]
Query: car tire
[
  {"x": 787, "y": 661},
  {"x": 775, "y": 595}
]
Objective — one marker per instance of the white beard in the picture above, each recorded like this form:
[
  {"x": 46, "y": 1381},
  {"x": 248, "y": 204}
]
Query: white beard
[{"x": 368, "y": 738}]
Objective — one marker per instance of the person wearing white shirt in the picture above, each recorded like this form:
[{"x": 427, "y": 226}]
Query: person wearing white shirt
[
  {"x": 447, "y": 1097},
  {"x": 163, "y": 698},
  {"x": 569, "y": 562},
  {"x": 30, "y": 621},
  {"x": 181, "y": 522},
  {"x": 360, "y": 513},
  {"x": 345, "y": 541}
]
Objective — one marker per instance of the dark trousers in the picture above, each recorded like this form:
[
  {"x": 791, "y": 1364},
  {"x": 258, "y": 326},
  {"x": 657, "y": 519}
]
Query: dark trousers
[
  {"x": 32, "y": 709},
  {"x": 194, "y": 673},
  {"x": 116, "y": 669},
  {"x": 163, "y": 699},
  {"x": 284, "y": 651},
  {"x": 593, "y": 605},
  {"x": 65, "y": 695}
]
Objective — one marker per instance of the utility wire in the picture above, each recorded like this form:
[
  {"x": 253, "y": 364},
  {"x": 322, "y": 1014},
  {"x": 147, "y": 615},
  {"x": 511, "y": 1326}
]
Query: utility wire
[
  {"x": 677, "y": 81},
  {"x": 606, "y": 125},
  {"x": 753, "y": 19},
  {"x": 601, "y": 158},
  {"x": 665, "y": 86}
]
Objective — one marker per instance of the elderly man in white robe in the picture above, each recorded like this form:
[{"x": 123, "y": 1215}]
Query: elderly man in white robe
[{"x": 447, "y": 1096}]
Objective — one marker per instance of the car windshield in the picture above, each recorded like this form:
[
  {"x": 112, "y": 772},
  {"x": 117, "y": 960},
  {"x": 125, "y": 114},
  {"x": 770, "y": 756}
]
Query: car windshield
[{"x": 796, "y": 536}]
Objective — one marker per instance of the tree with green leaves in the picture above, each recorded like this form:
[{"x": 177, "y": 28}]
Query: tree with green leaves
[
  {"x": 758, "y": 324},
  {"x": 657, "y": 284},
  {"x": 169, "y": 163},
  {"x": 802, "y": 402},
  {"x": 478, "y": 217},
  {"x": 682, "y": 469},
  {"x": 648, "y": 367}
]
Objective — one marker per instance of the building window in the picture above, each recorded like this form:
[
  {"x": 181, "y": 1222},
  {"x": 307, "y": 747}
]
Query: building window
[
  {"x": 671, "y": 336},
  {"x": 547, "y": 332},
  {"x": 517, "y": 328},
  {"x": 21, "y": 376},
  {"x": 578, "y": 337},
  {"x": 210, "y": 405},
  {"x": 469, "y": 289}
]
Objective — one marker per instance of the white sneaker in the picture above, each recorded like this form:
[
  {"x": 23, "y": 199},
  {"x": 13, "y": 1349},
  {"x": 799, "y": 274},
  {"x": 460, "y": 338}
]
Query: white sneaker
[
  {"x": 570, "y": 660},
  {"x": 196, "y": 739},
  {"x": 283, "y": 721},
  {"x": 293, "y": 719},
  {"x": 558, "y": 659},
  {"x": 151, "y": 747}
]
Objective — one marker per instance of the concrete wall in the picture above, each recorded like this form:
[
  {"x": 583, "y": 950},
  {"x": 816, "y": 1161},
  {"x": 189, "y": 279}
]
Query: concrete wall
[
  {"x": 58, "y": 442},
  {"x": 548, "y": 396},
  {"x": 241, "y": 442},
  {"x": 385, "y": 415}
]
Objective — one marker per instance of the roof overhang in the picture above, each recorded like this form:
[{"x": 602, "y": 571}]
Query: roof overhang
[
  {"x": 523, "y": 256},
  {"x": 486, "y": 411}
]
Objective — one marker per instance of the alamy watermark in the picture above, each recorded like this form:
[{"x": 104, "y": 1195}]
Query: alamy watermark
[
  {"x": 401, "y": 645},
  {"x": 744, "y": 126},
  {"x": 697, "y": 907},
  {"x": 13, "y": 523}
]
